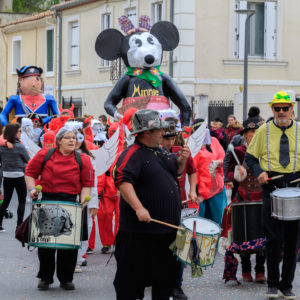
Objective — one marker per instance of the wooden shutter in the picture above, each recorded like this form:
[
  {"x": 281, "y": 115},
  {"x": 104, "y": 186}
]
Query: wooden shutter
[
  {"x": 75, "y": 45},
  {"x": 270, "y": 30}
]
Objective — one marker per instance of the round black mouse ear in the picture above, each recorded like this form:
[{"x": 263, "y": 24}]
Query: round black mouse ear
[
  {"x": 109, "y": 44},
  {"x": 167, "y": 34}
]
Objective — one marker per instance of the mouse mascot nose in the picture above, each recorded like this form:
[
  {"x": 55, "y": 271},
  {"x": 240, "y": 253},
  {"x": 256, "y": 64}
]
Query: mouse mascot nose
[{"x": 149, "y": 59}]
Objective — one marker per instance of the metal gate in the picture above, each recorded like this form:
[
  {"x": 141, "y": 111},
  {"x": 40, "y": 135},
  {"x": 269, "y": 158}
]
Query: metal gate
[{"x": 220, "y": 109}]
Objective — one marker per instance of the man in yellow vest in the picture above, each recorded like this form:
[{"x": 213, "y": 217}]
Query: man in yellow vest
[{"x": 273, "y": 151}]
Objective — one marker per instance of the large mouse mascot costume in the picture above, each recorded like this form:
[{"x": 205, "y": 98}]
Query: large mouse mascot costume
[
  {"x": 142, "y": 50},
  {"x": 29, "y": 98}
]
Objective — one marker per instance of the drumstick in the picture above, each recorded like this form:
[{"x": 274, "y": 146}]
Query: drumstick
[
  {"x": 185, "y": 201},
  {"x": 167, "y": 224},
  {"x": 275, "y": 177},
  {"x": 296, "y": 180},
  {"x": 231, "y": 149}
]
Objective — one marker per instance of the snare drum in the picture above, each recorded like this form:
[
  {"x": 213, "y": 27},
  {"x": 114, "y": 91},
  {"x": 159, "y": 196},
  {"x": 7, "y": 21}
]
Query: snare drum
[
  {"x": 246, "y": 221},
  {"x": 207, "y": 234},
  {"x": 188, "y": 212},
  {"x": 55, "y": 224},
  {"x": 286, "y": 204}
]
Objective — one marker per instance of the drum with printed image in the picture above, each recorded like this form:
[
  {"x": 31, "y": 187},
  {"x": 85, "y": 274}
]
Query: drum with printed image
[
  {"x": 207, "y": 234},
  {"x": 55, "y": 224}
]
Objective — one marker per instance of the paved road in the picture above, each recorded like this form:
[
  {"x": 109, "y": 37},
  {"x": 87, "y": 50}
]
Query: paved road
[{"x": 18, "y": 268}]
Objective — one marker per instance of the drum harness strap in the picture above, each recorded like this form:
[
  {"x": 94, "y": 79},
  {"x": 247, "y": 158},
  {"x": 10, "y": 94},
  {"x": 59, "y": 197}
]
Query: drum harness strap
[
  {"x": 51, "y": 152},
  {"x": 296, "y": 147}
]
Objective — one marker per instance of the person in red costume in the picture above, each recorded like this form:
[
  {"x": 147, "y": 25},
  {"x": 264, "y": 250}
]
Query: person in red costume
[
  {"x": 64, "y": 116},
  {"x": 109, "y": 203}
]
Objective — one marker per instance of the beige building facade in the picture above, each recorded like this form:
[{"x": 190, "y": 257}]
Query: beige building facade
[
  {"x": 29, "y": 41},
  {"x": 208, "y": 64},
  {"x": 5, "y": 17}
]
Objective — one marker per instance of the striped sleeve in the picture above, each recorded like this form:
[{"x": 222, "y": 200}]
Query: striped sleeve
[{"x": 128, "y": 167}]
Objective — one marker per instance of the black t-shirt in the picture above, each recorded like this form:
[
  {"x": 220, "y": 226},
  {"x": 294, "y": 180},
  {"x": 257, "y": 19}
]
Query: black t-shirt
[{"x": 153, "y": 174}]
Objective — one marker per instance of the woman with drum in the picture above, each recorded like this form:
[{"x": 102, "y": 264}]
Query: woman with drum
[
  {"x": 65, "y": 176},
  {"x": 13, "y": 166},
  {"x": 246, "y": 206}
]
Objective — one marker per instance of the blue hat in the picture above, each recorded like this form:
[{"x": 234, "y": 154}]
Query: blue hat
[{"x": 29, "y": 71}]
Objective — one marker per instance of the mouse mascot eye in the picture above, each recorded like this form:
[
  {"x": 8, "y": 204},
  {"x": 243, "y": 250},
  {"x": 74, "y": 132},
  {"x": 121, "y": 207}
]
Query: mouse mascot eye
[{"x": 144, "y": 85}]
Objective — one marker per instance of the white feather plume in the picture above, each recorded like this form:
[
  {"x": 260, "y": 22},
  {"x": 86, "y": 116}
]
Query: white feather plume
[{"x": 106, "y": 155}]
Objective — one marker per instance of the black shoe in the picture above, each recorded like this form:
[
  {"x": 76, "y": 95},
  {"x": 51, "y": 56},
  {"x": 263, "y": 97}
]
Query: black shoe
[
  {"x": 68, "y": 286},
  {"x": 272, "y": 292},
  {"x": 8, "y": 214},
  {"x": 2, "y": 229},
  {"x": 43, "y": 285},
  {"x": 105, "y": 249},
  {"x": 89, "y": 251},
  {"x": 178, "y": 294},
  {"x": 84, "y": 263},
  {"x": 288, "y": 294}
]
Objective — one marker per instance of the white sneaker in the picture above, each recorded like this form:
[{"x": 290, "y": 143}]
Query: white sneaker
[
  {"x": 2, "y": 229},
  {"x": 78, "y": 269}
]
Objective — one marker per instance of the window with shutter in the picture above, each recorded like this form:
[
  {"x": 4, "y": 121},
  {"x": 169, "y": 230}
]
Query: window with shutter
[
  {"x": 106, "y": 23},
  {"x": 74, "y": 45},
  {"x": 156, "y": 12},
  {"x": 49, "y": 51},
  {"x": 16, "y": 55},
  {"x": 262, "y": 36},
  {"x": 270, "y": 30}
]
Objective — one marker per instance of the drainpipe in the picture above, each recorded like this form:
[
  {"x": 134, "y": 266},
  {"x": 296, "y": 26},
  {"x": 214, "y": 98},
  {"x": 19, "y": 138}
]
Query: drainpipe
[
  {"x": 59, "y": 51},
  {"x": 5, "y": 67},
  {"x": 171, "y": 52}
]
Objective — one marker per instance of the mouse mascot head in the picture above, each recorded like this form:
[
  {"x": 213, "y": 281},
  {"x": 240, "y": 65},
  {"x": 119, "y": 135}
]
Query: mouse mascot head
[{"x": 144, "y": 85}]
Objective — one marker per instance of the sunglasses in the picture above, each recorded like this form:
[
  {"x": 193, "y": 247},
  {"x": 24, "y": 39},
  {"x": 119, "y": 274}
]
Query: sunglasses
[{"x": 283, "y": 108}]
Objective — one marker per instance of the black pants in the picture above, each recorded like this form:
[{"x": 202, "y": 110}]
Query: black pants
[
  {"x": 260, "y": 261},
  {"x": 280, "y": 235},
  {"x": 9, "y": 184},
  {"x": 66, "y": 263},
  {"x": 145, "y": 260}
]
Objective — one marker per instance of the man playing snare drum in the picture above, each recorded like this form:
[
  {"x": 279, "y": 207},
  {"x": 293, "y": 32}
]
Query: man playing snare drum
[
  {"x": 273, "y": 151},
  {"x": 146, "y": 175}
]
